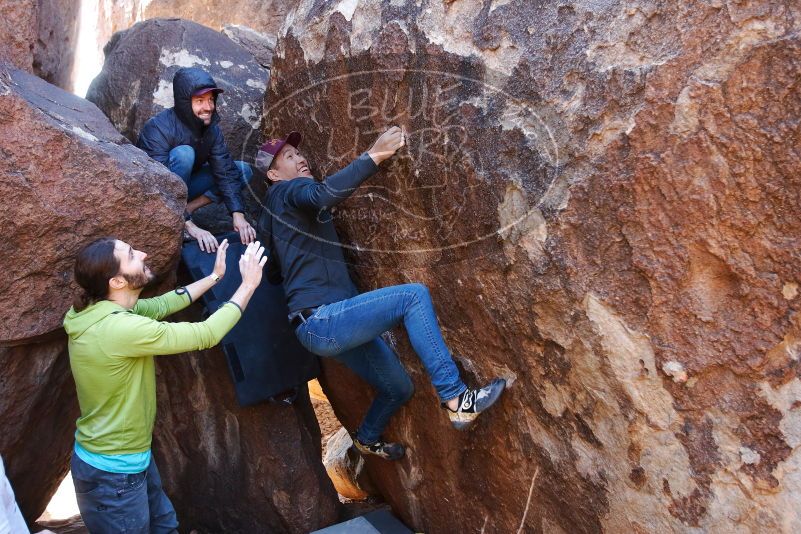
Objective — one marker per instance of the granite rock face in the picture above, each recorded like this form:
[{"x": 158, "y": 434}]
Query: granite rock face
[
  {"x": 233, "y": 469},
  {"x": 18, "y": 31},
  {"x": 69, "y": 177},
  {"x": 39, "y": 36},
  {"x": 603, "y": 200}
]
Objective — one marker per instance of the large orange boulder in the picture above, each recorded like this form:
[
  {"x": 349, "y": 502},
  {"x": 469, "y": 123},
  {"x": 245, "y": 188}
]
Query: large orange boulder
[
  {"x": 603, "y": 199},
  {"x": 66, "y": 177}
]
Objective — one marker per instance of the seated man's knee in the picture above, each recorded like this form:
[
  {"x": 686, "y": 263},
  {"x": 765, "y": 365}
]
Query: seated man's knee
[
  {"x": 245, "y": 170},
  {"x": 182, "y": 157}
]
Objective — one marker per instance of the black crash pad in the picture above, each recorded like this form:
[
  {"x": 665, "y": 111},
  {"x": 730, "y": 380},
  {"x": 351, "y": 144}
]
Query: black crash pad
[
  {"x": 376, "y": 522},
  {"x": 264, "y": 357}
]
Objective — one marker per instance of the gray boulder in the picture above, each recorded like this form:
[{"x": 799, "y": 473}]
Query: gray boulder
[
  {"x": 261, "y": 45},
  {"x": 136, "y": 80},
  {"x": 136, "y": 84}
]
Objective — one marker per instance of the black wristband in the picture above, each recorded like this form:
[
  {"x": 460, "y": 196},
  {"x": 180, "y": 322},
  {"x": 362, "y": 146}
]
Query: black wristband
[
  {"x": 182, "y": 290},
  {"x": 187, "y": 216},
  {"x": 234, "y": 303}
]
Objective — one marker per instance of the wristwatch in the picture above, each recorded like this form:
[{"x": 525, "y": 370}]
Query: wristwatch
[{"x": 215, "y": 277}]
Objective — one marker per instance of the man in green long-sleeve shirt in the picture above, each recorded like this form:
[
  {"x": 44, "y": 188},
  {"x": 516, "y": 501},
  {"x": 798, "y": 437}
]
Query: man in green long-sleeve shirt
[{"x": 113, "y": 337}]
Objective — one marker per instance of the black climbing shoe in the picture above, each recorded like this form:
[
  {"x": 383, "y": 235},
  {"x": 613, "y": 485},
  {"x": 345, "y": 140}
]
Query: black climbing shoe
[
  {"x": 474, "y": 401},
  {"x": 388, "y": 451}
]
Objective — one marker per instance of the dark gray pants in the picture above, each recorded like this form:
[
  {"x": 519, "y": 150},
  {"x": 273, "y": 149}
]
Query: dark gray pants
[{"x": 112, "y": 503}]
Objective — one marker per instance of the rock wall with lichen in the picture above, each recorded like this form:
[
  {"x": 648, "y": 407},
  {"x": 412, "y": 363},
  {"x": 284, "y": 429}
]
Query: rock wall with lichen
[{"x": 602, "y": 197}]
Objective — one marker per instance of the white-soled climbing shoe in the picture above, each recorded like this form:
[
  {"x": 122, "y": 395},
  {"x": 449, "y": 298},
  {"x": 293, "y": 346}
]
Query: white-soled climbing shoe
[{"x": 472, "y": 402}]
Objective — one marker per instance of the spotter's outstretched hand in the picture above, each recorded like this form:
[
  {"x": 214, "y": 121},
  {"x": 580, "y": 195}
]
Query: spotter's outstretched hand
[
  {"x": 219, "y": 261},
  {"x": 251, "y": 264}
]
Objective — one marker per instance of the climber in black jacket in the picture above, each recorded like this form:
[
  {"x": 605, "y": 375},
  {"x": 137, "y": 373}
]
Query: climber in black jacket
[
  {"x": 329, "y": 315},
  {"x": 187, "y": 139}
]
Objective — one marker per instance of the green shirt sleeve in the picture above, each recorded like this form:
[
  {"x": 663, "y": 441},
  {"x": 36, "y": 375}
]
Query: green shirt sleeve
[
  {"x": 130, "y": 335},
  {"x": 160, "y": 307}
]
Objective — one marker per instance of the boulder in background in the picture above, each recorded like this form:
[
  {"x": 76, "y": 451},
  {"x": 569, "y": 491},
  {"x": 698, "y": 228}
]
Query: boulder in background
[
  {"x": 265, "y": 16},
  {"x": 136, "y": 84},
  {"x": 260, "y": 45}
]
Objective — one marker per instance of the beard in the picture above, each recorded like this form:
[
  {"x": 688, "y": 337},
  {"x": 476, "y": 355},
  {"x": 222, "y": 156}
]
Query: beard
[
  {"x": 139, "y": 280},
  {"x": 205, "y": 120}
]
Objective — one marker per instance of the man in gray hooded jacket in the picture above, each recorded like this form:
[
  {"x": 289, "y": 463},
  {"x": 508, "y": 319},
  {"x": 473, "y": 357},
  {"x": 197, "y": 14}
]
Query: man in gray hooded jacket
[{"x": 187, "y": 139}]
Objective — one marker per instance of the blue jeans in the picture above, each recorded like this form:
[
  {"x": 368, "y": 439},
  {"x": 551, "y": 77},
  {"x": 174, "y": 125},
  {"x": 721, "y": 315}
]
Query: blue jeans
[
  {"x": 200, "y": 182},
  {"x": 118, "y": 502},
  {"x": 349, "y": 331}
]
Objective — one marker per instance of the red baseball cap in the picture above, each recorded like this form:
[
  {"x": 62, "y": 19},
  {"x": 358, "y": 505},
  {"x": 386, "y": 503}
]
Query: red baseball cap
[
  {"x": 204, "y": 90},
  {"x": 270, "y": 149}
]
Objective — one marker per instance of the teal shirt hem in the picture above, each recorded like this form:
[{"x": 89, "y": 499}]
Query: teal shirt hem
[{"x": 115, "y": 463}]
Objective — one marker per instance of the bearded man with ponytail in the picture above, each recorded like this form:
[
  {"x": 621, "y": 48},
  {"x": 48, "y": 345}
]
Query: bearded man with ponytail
[{"x": 113, "y": 336}]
